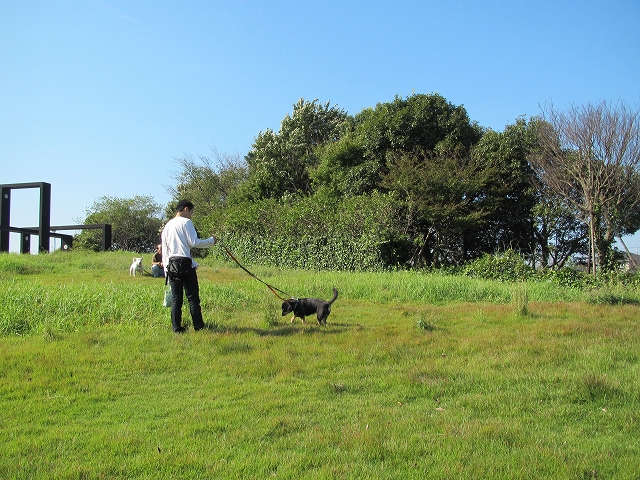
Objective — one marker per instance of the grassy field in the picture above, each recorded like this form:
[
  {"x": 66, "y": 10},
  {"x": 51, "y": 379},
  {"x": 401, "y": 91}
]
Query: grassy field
[{"x": 415, "y": 376}]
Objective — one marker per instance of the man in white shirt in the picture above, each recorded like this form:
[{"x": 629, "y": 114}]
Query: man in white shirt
[{"x": 179, "y": 236}]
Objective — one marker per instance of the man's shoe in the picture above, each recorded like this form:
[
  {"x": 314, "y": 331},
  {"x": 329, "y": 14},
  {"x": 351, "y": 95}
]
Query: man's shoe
[{"x": 179, "y": 330}]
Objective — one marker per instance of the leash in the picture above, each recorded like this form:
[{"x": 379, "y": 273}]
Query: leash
[{"x": 271, "y": 287}]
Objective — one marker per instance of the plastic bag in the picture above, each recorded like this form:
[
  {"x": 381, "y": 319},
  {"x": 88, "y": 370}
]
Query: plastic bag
[{"x": 167, "y": 298}]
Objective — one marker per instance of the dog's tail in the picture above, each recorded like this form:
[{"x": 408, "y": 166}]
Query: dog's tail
[{"x": 335, "y": 295}]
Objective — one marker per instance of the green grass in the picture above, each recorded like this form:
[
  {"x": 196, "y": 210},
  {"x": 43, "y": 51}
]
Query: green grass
[{"x": 415, "y": 376}]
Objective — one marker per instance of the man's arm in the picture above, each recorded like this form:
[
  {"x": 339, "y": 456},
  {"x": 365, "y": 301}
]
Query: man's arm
[{"x": 194, "y": 241}]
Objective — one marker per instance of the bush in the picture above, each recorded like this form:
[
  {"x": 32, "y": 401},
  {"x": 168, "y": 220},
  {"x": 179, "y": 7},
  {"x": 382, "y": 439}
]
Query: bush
[
  {"x": 507, "y": 267},
  {"x": 568, "y": 277},
  {"x": 314, "y": 233}
]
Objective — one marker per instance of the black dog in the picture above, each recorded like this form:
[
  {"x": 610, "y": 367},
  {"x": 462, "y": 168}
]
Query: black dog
[{"x": 301, "y": 307}]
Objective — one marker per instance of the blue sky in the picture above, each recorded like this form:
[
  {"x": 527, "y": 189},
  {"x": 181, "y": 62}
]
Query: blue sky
[{"x": 99, "y": 97}]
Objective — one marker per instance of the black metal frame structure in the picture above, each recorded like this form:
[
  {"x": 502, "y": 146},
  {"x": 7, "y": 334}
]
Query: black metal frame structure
[{"x": 44, "y": 230}]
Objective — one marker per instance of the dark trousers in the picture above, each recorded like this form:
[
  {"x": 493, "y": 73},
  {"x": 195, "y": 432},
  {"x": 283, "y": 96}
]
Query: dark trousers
[{"x": 188, "y": 285}]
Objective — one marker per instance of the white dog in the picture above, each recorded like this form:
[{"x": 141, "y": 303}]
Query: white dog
[{"x": 136, "y": 266}]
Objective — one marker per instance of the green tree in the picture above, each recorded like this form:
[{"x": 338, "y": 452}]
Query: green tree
[
  {"x": 344, "y": 171},
  {"x": 279, "y": 162},
  {"x": 559, "y": 233},
  {"x": 511, "y": 191},
  {"x": 209, "y": 182},
  {"x": 135, "y": 224},
  {"x": 446, "y": 205},
  {"x": 420, "y": 123}
]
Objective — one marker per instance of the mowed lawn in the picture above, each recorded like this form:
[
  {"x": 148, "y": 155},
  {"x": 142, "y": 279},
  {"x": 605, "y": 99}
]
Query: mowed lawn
[{"x": 414, "y": 376}]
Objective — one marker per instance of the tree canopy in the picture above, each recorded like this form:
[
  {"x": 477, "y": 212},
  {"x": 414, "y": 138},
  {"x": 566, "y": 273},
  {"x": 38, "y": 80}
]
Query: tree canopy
[
  {"x": 279, "y": 162},
  {"x": 135, "y": 223},
  {"x": 415, "y": 182}
]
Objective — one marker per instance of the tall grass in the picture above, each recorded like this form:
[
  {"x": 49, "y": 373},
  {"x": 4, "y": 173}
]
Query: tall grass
[
  {"x": 415, "y": 376},
  {"x": 68, "y": 291},
  {"x": 99, "y": 291}
]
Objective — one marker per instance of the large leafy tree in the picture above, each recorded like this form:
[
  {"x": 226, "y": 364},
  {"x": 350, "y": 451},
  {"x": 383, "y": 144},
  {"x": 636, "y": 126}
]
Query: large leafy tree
[
  {"x": 344, "y": 171},
  {"x": 279, "y": 162},
  {"x": 420, "y": 123},
  {"x": 135, "y": 223},
  {"x": 511, "y": 192},
  {"x": 445, "y": 203}
]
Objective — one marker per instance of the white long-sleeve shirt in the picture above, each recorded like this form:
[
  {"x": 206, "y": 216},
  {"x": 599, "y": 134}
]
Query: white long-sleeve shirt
[{"x": 179, "y": 236}]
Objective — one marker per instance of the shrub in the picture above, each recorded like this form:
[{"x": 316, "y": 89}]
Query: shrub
[
  {"x": 506, "y": 267},
  {"x": 568, "y": 277},
  {"x": 314, "y": 233}
]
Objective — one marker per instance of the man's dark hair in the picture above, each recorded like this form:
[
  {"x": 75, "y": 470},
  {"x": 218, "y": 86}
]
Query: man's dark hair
[{"x": 182, "y": 204}]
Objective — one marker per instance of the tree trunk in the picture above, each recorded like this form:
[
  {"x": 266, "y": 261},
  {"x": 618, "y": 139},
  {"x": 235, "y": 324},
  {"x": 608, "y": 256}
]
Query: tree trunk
[{"x": 592, "y": 244}]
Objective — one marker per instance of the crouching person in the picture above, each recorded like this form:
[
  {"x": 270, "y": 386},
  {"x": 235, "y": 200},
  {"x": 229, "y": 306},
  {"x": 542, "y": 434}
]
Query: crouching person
[{"x": 157, "y": 267}]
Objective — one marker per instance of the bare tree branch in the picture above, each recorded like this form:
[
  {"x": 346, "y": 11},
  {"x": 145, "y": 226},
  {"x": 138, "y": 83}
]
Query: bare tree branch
[{"x": 591, "y": 157}]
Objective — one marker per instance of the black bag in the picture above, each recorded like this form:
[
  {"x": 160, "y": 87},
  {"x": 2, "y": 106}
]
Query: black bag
[{"x": 179, "y": 268}]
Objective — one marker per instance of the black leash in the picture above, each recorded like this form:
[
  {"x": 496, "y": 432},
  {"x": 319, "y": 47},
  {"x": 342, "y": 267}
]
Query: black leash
[{"x": 271, "y": 287}]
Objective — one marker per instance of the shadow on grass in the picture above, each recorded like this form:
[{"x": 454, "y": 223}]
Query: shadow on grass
[
  {"x": 613, "y": 299},
  {"x": 284, "y": 331}
]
